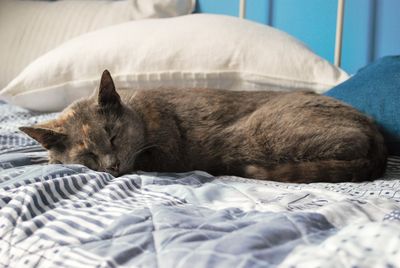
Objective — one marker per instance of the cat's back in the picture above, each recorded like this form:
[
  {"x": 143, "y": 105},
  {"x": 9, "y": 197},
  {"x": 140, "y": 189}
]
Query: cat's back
[
  {"x": 201, "y": 102},
  {"x": 236, "y": 103},
  {"x": 199, "y": 96},
  {"x": 210, "y": 101}
]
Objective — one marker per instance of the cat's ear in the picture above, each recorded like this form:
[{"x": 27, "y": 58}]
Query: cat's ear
[
  {"x": 48, "y": 138},
  {"x": 108, "y": 97}
]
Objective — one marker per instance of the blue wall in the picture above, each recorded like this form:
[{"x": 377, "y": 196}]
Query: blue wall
[{"x": 371, "y": 27}]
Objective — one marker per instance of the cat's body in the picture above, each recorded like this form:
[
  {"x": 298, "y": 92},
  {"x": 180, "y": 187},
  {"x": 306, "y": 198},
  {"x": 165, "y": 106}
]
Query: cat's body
[{"x": 297, "y": 137}]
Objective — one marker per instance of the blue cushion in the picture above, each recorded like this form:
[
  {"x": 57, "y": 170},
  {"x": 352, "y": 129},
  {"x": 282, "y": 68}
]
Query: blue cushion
[{"x": 375, "y": 91}]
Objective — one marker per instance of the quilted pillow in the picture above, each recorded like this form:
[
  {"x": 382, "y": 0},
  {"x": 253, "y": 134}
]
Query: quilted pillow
[{"x": 375, "y": 90}]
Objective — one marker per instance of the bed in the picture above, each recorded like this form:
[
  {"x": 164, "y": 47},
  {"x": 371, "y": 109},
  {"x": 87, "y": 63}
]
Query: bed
[{"x": 70, "y": 216}]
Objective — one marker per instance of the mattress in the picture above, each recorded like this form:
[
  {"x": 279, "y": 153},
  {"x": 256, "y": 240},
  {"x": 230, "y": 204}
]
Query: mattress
[{"x": 71, "y": 216}]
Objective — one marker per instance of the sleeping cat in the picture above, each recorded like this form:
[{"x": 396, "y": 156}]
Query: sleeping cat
[{"x": 282, "y": 136}]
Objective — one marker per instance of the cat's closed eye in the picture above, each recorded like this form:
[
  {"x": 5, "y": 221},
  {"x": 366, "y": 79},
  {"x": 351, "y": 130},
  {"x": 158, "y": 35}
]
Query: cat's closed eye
[
  {"x": 90, "y": 160},
  {"x": 112, "y": 140}
]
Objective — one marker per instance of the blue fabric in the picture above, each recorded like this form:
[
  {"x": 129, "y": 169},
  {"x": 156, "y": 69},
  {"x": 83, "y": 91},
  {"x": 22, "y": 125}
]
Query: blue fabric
[{"x": 375, "y": 91}]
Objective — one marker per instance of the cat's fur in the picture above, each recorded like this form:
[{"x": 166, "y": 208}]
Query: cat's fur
[{"x": 290, "y": 137}]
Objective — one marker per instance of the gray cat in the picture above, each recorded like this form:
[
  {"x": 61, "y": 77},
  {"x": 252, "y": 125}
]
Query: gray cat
[{"x": 282, "y": 136}]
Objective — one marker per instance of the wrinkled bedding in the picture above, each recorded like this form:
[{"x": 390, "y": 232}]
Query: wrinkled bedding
[{"x": 71, "y": 216}]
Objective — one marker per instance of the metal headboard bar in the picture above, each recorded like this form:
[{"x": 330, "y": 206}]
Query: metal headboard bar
[
  {"x": 339, "y": 33},
  {"x": 339, "y": 28},
  {"x": 242, "y": 9}
]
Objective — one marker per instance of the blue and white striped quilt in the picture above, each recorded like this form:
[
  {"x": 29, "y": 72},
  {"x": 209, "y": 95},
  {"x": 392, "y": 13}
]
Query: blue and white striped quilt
[{"x": 71, "y": 216}]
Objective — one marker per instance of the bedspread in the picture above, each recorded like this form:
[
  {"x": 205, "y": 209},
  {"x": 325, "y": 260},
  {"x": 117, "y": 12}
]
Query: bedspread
[{"x": 71, "y": 216}]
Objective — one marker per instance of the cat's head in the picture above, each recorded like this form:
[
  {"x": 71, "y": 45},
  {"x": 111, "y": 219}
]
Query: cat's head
[{"x": 100, "y": 132}]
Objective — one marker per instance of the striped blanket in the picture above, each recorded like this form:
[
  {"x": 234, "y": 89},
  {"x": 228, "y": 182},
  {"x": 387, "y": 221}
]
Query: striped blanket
[{"x": 71, "y": 216}]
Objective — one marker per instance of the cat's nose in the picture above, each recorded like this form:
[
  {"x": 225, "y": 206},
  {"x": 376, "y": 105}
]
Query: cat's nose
[
  {"x": 111, "y": 165},
  {"x": 114, "y": 170}
]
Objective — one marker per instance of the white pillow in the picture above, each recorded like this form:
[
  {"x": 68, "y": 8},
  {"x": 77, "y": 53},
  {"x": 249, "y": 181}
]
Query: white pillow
[
  {"x": 28, "y": 29},
  {"x": 201, "y": 50}
]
